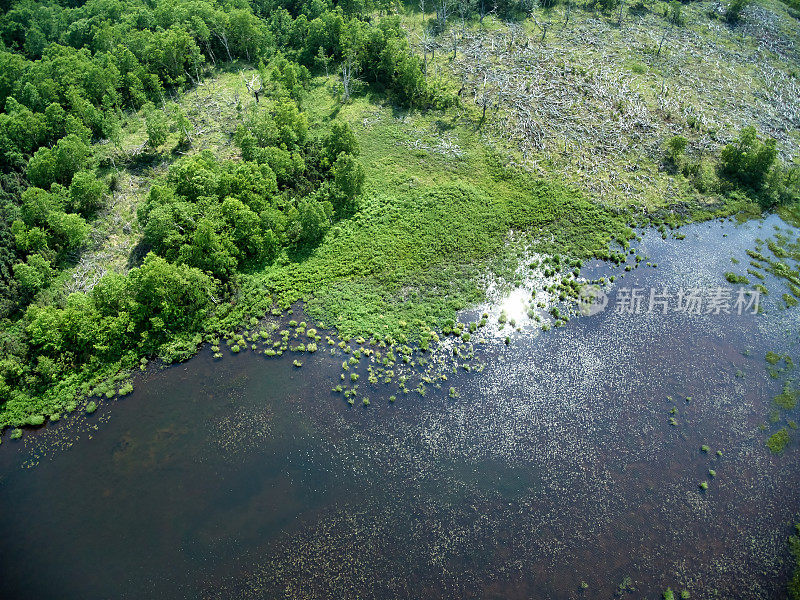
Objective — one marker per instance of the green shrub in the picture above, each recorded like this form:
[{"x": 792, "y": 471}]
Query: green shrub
[
  {"x": 637, "y": 68},
  {"x": 157, "y": 126},
  {"x": 734, "y": 11},
  {"x": 736, "y": 279},
  {"x": 772, "y": 358},
  {"x": 674, "y": 149},
  {"x": 704, "y": 176},
  {"x": 748, "y": 161},
  {"x": 86, "y": 193},
  {"x": 91, "y": 407},
  {"x": 58, "y": 164},
  {"x": 607, "y": 4},
  {"x": 35, "y": 420},
  {"x": 783, "y": 185},
  {"x": 674, "y": 14}
]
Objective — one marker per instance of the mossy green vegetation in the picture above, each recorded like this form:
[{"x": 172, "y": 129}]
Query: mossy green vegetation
[
  {"x": 457, "y": 231},
  {"x": 773, "y": 358},
  {"x": 736, "y": 279},
  {"x": 778, "y": 441},
  {"x": 794, "y": 548},
  {"x": 787, "y": 399}
]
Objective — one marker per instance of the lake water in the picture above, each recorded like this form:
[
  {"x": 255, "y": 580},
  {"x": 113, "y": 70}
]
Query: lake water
[{"x": 554, "y": 474}]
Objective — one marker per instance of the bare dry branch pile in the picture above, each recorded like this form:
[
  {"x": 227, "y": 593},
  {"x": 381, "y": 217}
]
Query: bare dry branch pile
[
  {"x": 575, "y": 96},
  {"x": 445, "y": 145}
]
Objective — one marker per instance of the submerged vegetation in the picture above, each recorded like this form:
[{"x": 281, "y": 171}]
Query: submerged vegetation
[
  {"x": 778, "y": 256},
  {"x": 778, "y": 441},
  {"x": 794, "y": 548}
]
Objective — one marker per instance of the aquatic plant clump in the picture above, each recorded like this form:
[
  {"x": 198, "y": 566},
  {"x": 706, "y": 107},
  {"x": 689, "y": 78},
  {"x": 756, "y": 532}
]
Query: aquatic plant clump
[{"x": 778, "y": 441}]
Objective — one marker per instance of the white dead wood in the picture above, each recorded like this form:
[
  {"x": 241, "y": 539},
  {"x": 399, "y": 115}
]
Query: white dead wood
[
  {"x": 349, "y": 72},
  {"x": 255, "y": 86}
]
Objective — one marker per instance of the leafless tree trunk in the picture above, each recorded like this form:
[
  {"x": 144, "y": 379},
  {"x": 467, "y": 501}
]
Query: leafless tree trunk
[
  {"x": 442, "y": 12},
  {"x": 349, "y": 71},
  {"x": 664, "y": 37},
  {"x": 323, "y": 59},
  {"x": 183, "y": 124},
  {"x": 222, "y": 36},
  {"x": 463, "y": 11},
  {"x": 428, "y": 45},
  {"x": 193, "y": 80},
  {"x": 484, "y": 97},
  {"x": 482, "y": 10},
  {"x": 211, "y": 53},
  {"x": 251, "y": 85},
  {"x": 515, "y": 34},
  {"x": 425, "y": 42}
]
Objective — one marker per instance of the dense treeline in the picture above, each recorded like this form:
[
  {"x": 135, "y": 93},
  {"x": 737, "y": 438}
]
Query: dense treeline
[
  {"x": 223, "y": 217},
  {"x": 70, "y": 72}
]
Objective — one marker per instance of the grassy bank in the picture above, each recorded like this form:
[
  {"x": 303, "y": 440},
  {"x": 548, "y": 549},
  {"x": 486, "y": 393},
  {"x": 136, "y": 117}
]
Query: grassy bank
[{"x": 438, "y": 208}]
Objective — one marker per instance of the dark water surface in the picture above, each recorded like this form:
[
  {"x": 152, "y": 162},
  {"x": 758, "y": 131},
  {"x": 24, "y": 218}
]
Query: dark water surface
[{"x": 556, "y": 465}]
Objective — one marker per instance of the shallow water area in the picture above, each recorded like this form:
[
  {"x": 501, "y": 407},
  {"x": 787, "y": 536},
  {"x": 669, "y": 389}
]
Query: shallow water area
[{"x": 555, "y": 472}]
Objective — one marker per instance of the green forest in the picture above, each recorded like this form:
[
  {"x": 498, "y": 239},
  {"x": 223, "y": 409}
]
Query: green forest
[{"x": 70, "y": 73}]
